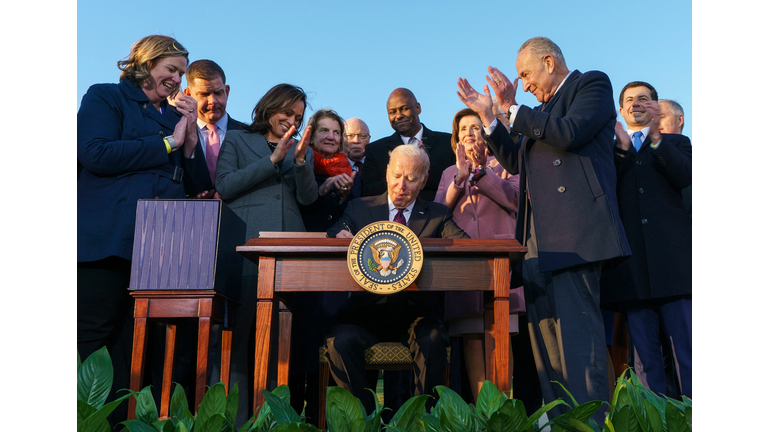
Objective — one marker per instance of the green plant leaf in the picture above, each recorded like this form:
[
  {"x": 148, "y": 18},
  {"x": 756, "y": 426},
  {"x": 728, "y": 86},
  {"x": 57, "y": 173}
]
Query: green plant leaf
[
  {"x": 83, "y": 411},
  {"x": 455, "y": 413},
  {"x": 489, "y": 399},
  {"x": 689, "y": 416},
  {"x": 389, "y": 428},
  {"x": 96, "y": 421},
  {"x": 514, "y": 411},
  {"x": 213, "y": 423},
  {"x": 146, "y": 410},
  {"x": 408, "y": 417},
  {"x": 625, "y": 420},
  {"x": 534, "y": 418},
  {"x": 94, "y": 378},
  {"x": 373, "y": 421},
  {"x": 283, "y": 392},
  {"x": 608, "y": 425},
  {"x": 655, "y": 422},
  {"x": 230, "y": 412},
  {"x": 431, "y": 423},
  {"x": 164, "y": 425},
  {"x": 181, "y": 427},
  {"x": 178, "y": 404},
  {"x": 575, "y": 404},
  {"x": 571, "y": 424},
  {"x": 675, "y": 419},
  {"x": 281, "y": 410},
  {"x": 501, "y": 422},
  {"x": 137, "y": 426},
  {"x": 214, "y": 402},
  {"x": 583, "y": 412},
  {"x": 343, "y": 411},
  {"x": 687, "y": 401},
  {"x": 638, "y": 404}
]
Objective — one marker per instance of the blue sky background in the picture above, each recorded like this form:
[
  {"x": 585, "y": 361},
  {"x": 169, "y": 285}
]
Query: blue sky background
[{"x": 349, "y": 55}]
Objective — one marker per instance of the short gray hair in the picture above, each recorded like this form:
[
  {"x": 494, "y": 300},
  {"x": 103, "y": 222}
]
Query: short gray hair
[
  {"x": 410, "y": 151},
  {"x": 541, "y": 46},
  {"x": 676, "y": 108}
]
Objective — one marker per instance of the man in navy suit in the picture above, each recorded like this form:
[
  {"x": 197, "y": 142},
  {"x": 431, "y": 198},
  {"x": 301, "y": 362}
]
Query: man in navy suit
[
  {"x": 568, "y": 215},
  {"x": 403, "y": 111},
  {"x": 207, "y": 84},
  {"x": 655, "y": 284},
  {"x": 366, "y": 319}
]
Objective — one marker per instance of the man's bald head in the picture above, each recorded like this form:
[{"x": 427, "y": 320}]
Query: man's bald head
[
  {"x": 356, "y": 137},
  {"x": 403, "y": 111}
]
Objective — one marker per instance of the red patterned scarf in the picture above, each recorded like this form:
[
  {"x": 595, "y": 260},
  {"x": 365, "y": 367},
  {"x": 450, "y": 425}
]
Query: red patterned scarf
[{"x": 338, "y": 164}]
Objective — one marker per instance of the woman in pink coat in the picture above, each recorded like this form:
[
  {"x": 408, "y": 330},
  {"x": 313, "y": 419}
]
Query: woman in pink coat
[{"x": 483, "y": 197}]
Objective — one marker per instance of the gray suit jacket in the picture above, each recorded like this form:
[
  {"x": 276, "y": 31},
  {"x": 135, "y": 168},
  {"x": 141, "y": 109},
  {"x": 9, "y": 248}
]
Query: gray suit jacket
[{"x": 267, "y": 200}]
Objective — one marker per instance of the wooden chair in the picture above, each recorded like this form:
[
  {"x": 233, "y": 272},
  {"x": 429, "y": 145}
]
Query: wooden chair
[{"x": 382, "y": 356}]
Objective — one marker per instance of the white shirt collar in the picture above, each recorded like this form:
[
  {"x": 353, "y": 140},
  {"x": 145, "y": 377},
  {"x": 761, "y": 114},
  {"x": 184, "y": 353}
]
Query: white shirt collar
[
  {"x": 202, "y": 129},
  {"x": 644, "y": 131},
  {"x": 418, "y": 136},
  {"x": 393, "y": 210}
]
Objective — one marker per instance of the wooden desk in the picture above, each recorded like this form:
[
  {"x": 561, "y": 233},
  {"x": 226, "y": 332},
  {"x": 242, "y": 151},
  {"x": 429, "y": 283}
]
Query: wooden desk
[{"x": 319, "y": 265}]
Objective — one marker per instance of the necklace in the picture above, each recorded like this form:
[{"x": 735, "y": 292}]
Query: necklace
[{"x": 272, "y": 146}]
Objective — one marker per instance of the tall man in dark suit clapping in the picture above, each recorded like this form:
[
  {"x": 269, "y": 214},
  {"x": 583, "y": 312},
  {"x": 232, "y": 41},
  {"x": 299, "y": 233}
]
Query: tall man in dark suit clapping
[{"x": 568, "y": 215}]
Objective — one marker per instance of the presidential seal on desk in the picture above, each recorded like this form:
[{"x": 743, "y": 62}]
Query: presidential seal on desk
[{"x": 385, "y": 257}]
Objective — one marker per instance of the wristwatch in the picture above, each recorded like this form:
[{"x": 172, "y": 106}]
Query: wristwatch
[{"x": 171, "y": 143}]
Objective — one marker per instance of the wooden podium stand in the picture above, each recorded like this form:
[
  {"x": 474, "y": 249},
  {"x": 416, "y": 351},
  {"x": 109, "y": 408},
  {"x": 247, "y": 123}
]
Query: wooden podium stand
[
  {"x": 184, "y": 269},
  {"x": 319, "y": 265}
]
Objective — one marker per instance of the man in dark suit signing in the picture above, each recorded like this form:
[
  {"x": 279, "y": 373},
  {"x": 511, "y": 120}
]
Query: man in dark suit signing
[
  {"x": 403, "y": 111},
  {"x": 207, "y": 84},
  {"x": 415, "y": 319},
  {"x": 568, "y": 215},
  {"x": 655, "y": 284}
]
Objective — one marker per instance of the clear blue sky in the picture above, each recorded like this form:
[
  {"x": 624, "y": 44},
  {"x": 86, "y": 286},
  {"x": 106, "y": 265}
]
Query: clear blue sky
[{"x": 349, "y": 55}]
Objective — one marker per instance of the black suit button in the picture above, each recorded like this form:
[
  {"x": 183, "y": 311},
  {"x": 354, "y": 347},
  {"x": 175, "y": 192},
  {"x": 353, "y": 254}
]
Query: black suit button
[
  {"x": 277, "y": 196},
  {"x": 644, "y": 221},
  {"x": 330, "y": 217},
  {"x": 557, "y": 162},
  {"x": 561, "y": 189},
  {"x": 333, "y": 194},
  {"x": 641, "y": 190},
  {"x": 638, "y": 162},
  {"x": 537, "y": 132}
]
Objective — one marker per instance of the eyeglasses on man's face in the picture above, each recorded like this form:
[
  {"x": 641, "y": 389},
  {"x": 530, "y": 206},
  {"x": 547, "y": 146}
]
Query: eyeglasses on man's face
[{"x": 362, "y": 136}]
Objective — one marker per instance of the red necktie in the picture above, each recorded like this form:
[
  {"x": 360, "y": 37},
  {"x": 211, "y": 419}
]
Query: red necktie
[
  {"x": 212, "y": 153},
  {"x": 399, "y": 218}
]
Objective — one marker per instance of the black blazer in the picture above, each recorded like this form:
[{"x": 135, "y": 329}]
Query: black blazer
[
  {"x": 565, "y": 162},
  {"x": 436, "y": 144},
  {"x": 658, "y": 226}
]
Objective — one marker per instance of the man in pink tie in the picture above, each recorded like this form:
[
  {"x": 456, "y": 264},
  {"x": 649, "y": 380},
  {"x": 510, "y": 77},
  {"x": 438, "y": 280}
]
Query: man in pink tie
[{"x": 207, "y": 84}]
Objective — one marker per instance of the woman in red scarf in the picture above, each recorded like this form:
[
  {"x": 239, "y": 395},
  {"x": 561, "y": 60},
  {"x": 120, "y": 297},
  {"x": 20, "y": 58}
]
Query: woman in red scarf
[{"x": 333, "y": 172}]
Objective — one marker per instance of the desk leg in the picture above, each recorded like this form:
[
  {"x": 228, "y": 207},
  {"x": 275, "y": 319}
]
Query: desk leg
[
  {"x": 261, "y": 361},
  {"x": 265, "y": 292},
  {"x": 140, "y": 311},
  {"x": 203, "y": 342},
  {"x": 226, "y": 355},
  {"x": 170, "y": 353},
  {"x": 501, "y": 322},
  {"x": 284, "y": 345}
]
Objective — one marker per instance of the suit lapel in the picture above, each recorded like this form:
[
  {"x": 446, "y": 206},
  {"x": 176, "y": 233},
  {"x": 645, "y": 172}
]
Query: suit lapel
[
  {"x": 259, "y": 146},
  {"x": 379, "y": 211},
  {"x": 427, "y": 139},
  {"x": 419, "y": 217}
]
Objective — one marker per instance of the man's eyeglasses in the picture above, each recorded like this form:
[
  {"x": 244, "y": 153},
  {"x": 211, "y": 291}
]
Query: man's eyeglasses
[{"x": 362, "y": 136}]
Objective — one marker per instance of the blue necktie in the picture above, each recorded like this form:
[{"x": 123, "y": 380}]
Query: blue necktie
[
  {"x": 637, "y": 140},
  {"x": 413, "y": 141}
]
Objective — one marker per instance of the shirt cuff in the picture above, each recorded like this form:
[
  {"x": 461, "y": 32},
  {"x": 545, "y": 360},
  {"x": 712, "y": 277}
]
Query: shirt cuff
[
  {"x": 489, "y": 130},
  {"x": 512, "y": 114}
]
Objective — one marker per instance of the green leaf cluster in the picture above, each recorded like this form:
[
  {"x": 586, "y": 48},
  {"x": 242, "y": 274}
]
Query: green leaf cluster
[
  {"x": 633, "y": 408},
  {"x": 94, "y": 380},
  {"x": 636, "y": 408}
]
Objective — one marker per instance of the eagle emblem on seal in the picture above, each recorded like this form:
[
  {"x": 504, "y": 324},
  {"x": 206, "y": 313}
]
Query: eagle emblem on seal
[{"x": 385, "y": 253}]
